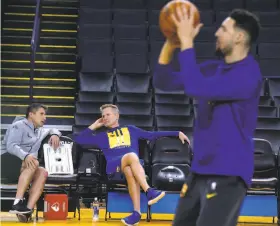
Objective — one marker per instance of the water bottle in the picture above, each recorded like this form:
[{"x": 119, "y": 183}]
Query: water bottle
[{"x": 95, "y": 210}]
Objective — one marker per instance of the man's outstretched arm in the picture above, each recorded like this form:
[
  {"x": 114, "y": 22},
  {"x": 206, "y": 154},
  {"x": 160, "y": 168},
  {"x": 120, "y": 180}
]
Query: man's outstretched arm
[{"x": 153, "y": 135}]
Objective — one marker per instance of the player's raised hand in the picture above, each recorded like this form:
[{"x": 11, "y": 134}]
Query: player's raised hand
[
  {"x": 97, "y": 124},
  {"x": 186, "y": 31}
]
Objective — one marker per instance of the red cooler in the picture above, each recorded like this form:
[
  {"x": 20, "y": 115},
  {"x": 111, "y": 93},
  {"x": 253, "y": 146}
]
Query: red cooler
[{"x": 55, "y": 207}]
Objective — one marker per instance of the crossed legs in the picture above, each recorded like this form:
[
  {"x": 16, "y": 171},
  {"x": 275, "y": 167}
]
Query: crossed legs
[{"x": 135, "y": 176}]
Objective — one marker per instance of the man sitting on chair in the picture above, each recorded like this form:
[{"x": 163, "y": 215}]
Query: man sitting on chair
[
  {"x": 23, "y": 139},
  {"x": 120, "y": 147}
]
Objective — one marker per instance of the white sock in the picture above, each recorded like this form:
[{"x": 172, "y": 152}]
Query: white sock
[{"x": 16, "y": 201}]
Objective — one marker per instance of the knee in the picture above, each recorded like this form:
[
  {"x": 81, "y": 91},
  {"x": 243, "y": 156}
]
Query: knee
[
  {"x": 43, "y": 173},
  {"x": 131, "y": 157},
  {"x": 127, "y": 172}
]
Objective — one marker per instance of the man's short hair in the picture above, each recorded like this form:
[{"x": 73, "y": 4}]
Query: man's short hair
[
  {"x": 34, "y": 107},
  {"x": 115, "y": 107},
  {"x": 248, "y": 22}
]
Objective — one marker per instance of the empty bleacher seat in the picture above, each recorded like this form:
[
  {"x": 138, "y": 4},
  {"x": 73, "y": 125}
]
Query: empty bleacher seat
[
  {"x": 172, "y": 99},
  {"x": 269, "y": 50},
  {"x": 94, "y": 16},
  {"x": 131, "y": 63},
  {"x": 88, "y": 108},
  {"x": 268, "y": 111},
  {"x": 271, "y": 18},
  {"x": 184, "y": 122},
  {"x": 97, "y": 63},
  {"x": 135, "y": 98},
  {"x": 268, "y": 123},
  {"x": 130, "y": 32},
  {"x": 156, "y": 5},
  {"x": 277, "y": 102},
  {"x": 130, "y": 17},
  {"x": 88, "y": 97},
  {"x": 135, "y": 108},
  {"x": 207, "y": 17},
  {"x": 265, "y": 175},
  {"x": 269, "y": 34},
  {"x": 159, "y": 91},
  {"x": 155, "y": 48},
  {"x": 131, "y": 47},
  {"x": 206, "y": 34},
  {"x": 96, "y": 82},
  {"x": 270, "y": 67},
  {"x": 261, "y": 5},
  {"x": 104, "y": 4},
  {"x": 153, "y": 17},
  {"x": 95, "y": 46},
  {"x": 142, "y": 121},
  {"x": 129, "y": 4},
  {"x": 170, "y": 163},
  {"x": 265, "y": 100},
  {"x": 95, "y": 31},
  {"x": 155, "y": 33},
  {"x": 133, "y": 83},
  {"x": 202, "y": 4},
  {"x": 227, "y": 4},
  {"x": 172, "y": 109},
  {"x": 274, "y": 86},
  {"x": 271, "y": 135}
]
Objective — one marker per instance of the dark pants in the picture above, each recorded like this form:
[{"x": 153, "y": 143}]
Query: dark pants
[{"x": 210, "y": 201}]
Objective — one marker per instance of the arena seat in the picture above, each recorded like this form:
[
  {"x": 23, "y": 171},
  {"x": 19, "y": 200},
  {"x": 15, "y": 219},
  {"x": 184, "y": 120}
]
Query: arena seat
[
  {"x": 129, "y": 17},
  {"x": 171, "y": 161},
  {"x": 261, "y": 5},
  {"x": 129, "y": 83},
  {"x": 129, "y": 4},
  {"x": 220, "y": 5},
  {"x": 95, "y": 46},
  {"x": 94, "y": 16},
  {"x": 268, "y": 111},
  {"x": 105, "y": 4},
  {"x": 266, "y": 174}
]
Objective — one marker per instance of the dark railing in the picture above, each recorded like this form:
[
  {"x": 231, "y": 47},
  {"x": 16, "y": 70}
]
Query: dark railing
[{"x": 34, "y": 44}]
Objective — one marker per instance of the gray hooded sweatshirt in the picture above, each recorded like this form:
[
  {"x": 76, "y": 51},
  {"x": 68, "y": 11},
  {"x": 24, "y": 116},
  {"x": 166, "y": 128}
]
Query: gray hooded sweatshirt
[{"x": 22, "y": 139}]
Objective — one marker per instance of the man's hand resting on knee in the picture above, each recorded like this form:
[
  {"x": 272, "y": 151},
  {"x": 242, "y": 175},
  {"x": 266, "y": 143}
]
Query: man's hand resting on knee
[
  {"x": 31, "y": 162},
  {"x": 184, "y": 138}
]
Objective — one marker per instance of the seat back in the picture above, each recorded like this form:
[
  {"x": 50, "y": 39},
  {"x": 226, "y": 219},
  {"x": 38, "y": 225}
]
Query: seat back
[
  {"x": 171, "y": 162},
  {"x": 265, "y": 160},
  {"x": 170, "y": 150}
]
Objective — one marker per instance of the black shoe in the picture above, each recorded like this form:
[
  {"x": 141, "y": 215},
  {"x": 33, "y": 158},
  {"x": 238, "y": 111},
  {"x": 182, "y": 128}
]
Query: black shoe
[
  {"x": 24, "y": 218},
  {"x": 20, "y": 208}
]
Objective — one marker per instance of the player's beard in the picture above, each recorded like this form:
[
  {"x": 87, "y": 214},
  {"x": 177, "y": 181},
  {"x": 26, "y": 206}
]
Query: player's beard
[{"x": 223, "y": 52}]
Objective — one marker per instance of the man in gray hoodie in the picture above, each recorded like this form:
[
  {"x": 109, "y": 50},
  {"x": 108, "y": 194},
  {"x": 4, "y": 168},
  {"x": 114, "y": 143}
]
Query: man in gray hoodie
[{"x": 23, "y": 139}]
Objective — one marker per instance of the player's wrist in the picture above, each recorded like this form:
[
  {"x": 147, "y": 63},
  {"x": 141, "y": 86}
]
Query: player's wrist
[{"x": 186, "y": 43}]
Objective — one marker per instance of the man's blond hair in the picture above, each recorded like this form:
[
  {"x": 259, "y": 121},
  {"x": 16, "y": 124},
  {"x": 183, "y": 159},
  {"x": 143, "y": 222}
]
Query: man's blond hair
[{"x": 114, "y": 107}]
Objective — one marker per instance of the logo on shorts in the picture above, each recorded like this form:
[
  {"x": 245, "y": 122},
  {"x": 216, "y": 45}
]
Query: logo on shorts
[
  {"x": 184, "y": 190},
  {"x": 211, "y": 195},
  {"x": 55, "y": 207}
]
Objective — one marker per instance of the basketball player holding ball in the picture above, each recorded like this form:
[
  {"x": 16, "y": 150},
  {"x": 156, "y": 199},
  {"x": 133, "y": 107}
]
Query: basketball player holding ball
[{"x": 228, "y": 93}]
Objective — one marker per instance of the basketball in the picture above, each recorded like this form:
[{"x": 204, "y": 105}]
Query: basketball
[{"x": 166, "y": 23}]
